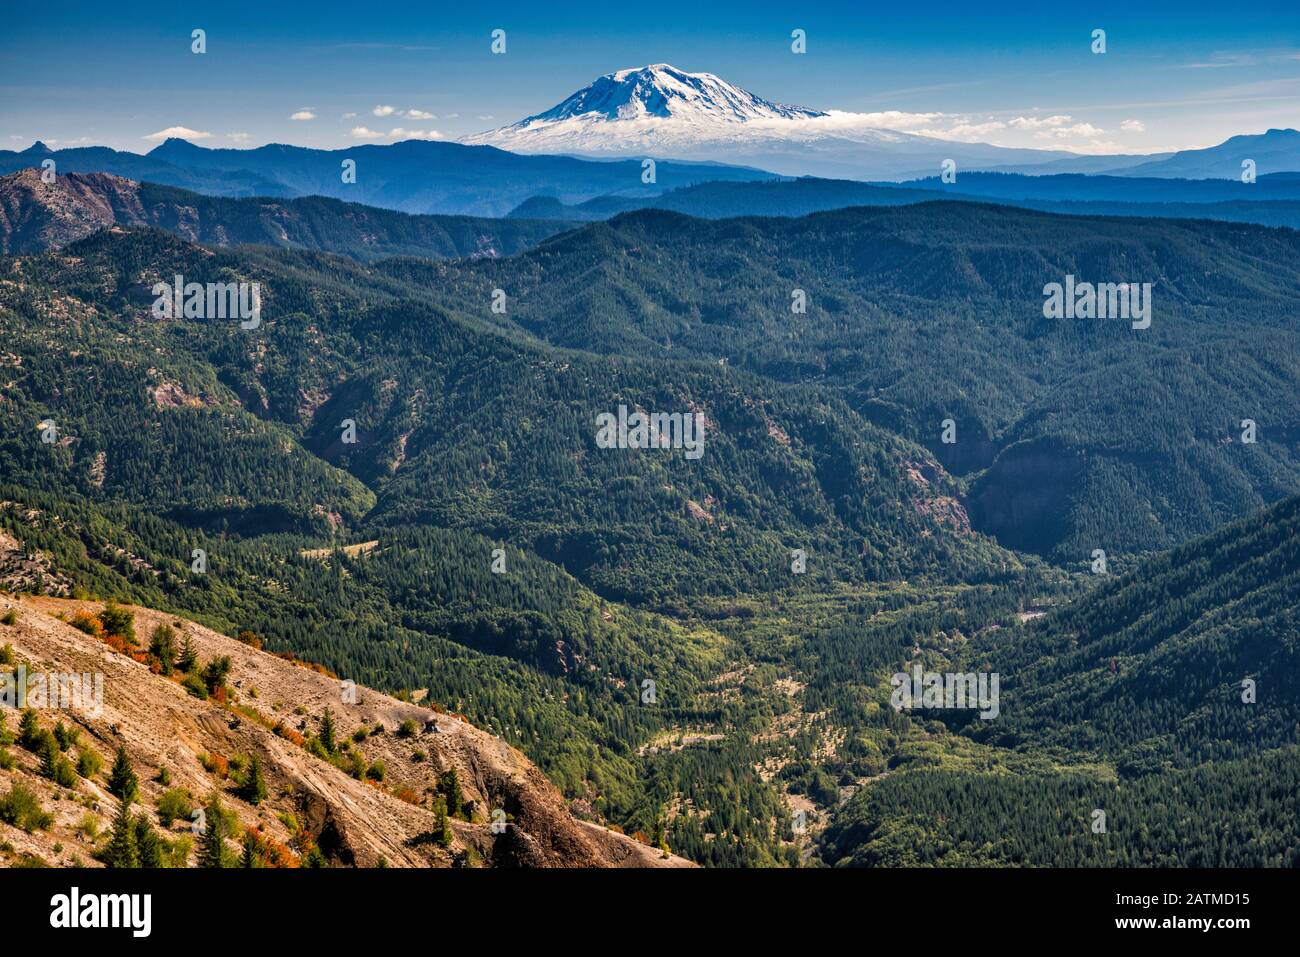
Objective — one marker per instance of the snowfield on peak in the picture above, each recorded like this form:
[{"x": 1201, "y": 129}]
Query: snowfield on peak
[
  {"x": 662, "y": 111},
  {"x": 661, "y": 90}
]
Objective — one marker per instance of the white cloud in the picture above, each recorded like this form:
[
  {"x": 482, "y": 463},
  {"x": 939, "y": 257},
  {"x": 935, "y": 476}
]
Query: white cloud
[
  {"x": 238, "y": 137},
  {"x": 349, "y": 116},
  {"x": 304, "y": 114},
  {"x": 1039, "y": 122},
  {"x": 399, "y": 133},
  {"x": 965, "y": 130},
  {"x": 1133, "y": 126},
  {"x": 1078, "y": 129},
  {"x": 886, "y": 120},
  {"x": 361, "y": 133},
  {"x": 178, "y": 132},
  {"x": 383, "y": 111},
  {"x": 419, "y": 115},
  {"x": 1058, "y": 126},
  {"x": 488, "y": 117}
]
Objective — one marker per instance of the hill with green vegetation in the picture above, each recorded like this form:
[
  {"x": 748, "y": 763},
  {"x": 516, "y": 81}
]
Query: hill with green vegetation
[
  {"x": 698, "y": 648},
  {"x": 1070, "y": 434},
  {"x": 1164, "y": 698}
]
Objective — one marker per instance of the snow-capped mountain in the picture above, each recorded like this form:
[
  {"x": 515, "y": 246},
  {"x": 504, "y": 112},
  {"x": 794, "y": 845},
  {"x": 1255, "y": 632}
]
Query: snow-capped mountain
[
  {"x": 661, "y": 111},
  {"x": 665, "y": 92}
]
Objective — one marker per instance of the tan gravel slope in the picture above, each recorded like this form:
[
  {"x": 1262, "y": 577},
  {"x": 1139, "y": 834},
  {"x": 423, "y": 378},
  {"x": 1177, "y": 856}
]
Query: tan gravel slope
[{"x": 310, "y": 800}]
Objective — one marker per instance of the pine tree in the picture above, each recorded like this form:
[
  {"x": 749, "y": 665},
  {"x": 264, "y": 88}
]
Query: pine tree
[
  {"x": 118, "y": 621},
  {"x": 441, "y": 827},
  {"x": 214, "y": 675},
  {"x": 29, "y": 729},
  {"x": 163, "y": 647},
  {"x": 147, "y": 843},
  {"x": 189, "y": 660},
  {"x": 122, "y": 850},
  {"x": 122, "y": 782},
  {"x": 327, "y": 731},
  {"x": 250, "y": 858},
  {"x": 253, "y": 789},
  {"x": 449, "y": 787},
  {"x": 50, "y": 758},
  {"x": 212, "y": 849}
]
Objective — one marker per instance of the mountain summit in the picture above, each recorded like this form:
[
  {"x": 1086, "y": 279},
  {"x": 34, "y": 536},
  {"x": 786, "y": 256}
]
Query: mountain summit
[
  {"x": 655, "y": 107},
  {"x": 661, "y": 90},
  {"x": 662, "y": 111}
]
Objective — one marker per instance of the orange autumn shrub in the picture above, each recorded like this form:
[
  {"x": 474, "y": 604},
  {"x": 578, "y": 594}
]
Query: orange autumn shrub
[
  {"x": 215, "y": 764},
  {"x": 290, "y": 735},
  {"x": 270, "y": 851},
  {"x": 84, "y": 621}
]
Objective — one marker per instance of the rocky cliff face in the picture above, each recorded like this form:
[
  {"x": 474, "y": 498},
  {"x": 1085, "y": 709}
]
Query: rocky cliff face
[{"x": 274, "y": 706}]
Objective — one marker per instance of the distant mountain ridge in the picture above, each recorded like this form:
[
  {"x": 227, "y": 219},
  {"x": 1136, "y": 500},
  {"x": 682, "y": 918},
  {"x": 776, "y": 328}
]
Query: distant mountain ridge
[
  {"x": 1272, "y": 201},
  {"x": 1271, "y": 152},
  {"x": 35, "y": 215},
  {"x": 414, "y": 176}
]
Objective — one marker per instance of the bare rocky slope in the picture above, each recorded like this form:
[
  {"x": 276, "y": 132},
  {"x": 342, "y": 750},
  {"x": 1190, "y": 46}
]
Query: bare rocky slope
[
  {"x": 273, "y": 705},
  {"x": 36, "y": 215}
]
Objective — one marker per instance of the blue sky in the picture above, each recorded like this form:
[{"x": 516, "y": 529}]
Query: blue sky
[{"x": 1017, "y": 74}]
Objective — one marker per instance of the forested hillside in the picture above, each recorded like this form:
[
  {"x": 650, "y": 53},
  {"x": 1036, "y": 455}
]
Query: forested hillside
[
  {"x": 175, "y": 435},
  {"x": 456, "y": 425},
  {"x": 1165, "y": 699},
  {"x": 395, "y": 472},
  {"x": 1072, "y": 434}
]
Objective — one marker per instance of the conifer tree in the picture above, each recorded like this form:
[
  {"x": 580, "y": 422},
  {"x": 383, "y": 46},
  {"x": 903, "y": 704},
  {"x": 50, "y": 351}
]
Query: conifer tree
[
  {"x": 442, "y": 826},
  {"x": 327, "y": 731},
  {"x": 249, "y": 859},
  {"x": 29, "y": 728},
  {"x": 449, "y": 787},
  {"x": 189, "y": 660},
  {"x": 122, "y": 850},
  {"x": 122, "y": 782},
  {"x": 253, "y": 789},
  {"x": 49, "y": 758},
  {"x": 147, "y": 843},
  {"x": 212, "y": 849},
  {"x": 163, "y": 647}
]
